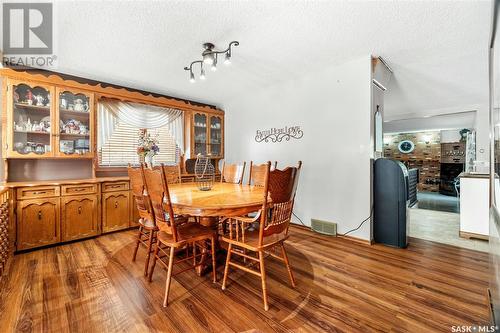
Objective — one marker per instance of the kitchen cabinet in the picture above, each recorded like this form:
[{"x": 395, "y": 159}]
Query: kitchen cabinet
[
  {"x": 38, "y": 222},
  {"x": 79, "y": 217}
]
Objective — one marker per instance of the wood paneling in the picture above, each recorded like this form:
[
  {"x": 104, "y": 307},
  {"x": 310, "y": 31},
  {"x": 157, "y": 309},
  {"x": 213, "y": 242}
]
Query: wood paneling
[
  {"x": 37, "y": 223},
  {"x": 115, "y": 211},
  {"x": 80, "y": 217},
  {"x": 426, "y": 156},
  {"x": 6, "y": 241},
  {"x": 342, "y": 286}
]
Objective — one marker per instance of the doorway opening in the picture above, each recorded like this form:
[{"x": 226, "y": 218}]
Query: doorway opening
[{"x": 439, "y": 157}]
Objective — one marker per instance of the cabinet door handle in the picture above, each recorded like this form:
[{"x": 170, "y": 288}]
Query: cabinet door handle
[
  {"x": 80, "y": 210},
  {"x": 79, "y": 189},
  {"x": 39, "y": 214},
  {"x": 116, "y": 204},
  {"x": 115, "y": 186},
  {"x": 39, "y": 192}
]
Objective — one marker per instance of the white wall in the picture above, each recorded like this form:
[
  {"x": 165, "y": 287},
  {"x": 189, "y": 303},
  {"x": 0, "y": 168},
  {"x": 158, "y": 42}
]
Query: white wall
[
  {"x": 333, "y": 108},
  {"x": 450, "y": 136}
]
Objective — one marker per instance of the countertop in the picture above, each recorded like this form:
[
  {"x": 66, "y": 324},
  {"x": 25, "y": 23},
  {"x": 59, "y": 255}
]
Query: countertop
[
  {"x": 474, "y": 175},
  {"x": 71, "y": 181},
  {"x": 62, "y": 181}
]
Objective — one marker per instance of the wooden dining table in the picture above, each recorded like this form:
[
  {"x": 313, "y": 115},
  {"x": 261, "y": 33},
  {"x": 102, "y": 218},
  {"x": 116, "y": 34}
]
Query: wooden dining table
[{"x": 223, "y": 200}]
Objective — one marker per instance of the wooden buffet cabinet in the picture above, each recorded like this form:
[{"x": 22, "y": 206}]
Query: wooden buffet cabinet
[
  {"x": 39, "y": 113},
  {"x": 59, "y": 211}
]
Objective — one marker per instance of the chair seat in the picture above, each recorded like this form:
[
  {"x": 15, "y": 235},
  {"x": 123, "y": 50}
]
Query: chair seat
[
  {"x": 148, "y": 224},
  {"x": 187, "y": 232},
  {"x": 252, "y": 240}
]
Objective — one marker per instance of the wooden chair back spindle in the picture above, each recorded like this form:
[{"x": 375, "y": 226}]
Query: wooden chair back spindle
[
  {"x": 233, "y": 173},
  {"x": 157, "y": 188}
]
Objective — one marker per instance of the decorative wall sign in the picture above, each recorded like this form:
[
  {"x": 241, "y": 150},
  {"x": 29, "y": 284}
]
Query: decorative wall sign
[{"x": 278, "y": 134}]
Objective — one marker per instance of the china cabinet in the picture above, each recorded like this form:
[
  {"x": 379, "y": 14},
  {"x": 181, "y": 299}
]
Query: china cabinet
[
  {"x": 207, "y": 135},
  {"x": 45, "y": 121},
  {"x": 30, "y": 115},
  {"x": 75, "y": 119}
]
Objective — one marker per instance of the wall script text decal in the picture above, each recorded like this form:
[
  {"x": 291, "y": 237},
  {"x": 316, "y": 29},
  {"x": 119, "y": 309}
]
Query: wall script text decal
[{"x": 278, "y": 134}]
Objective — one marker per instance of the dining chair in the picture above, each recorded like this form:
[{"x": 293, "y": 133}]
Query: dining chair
[
  {"x": 173, "y": 234},
  {"x": 274, "y": 219},
  {"x": 232, "y": 173},
  {"x": 173, "y": 173},
  {"x": 257, "y": 174},
  {"x": 147, "y": 225}
]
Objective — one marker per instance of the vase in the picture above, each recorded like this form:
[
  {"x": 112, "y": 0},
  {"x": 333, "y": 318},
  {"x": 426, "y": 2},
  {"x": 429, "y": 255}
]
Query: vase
[{"x": 149, "y": 159}]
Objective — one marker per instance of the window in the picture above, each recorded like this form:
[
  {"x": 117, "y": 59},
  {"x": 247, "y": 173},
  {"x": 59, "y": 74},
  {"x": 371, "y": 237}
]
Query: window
[
  {"x": 118, "y": 137},
  {"x": 121, "y": 148}
]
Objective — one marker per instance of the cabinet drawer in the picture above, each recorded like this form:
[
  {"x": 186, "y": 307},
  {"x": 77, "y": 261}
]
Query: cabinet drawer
[
  {"x": 114, "y": 186},
  {"x": 37, "y": 192},
  {"x": 79, "y": 189}
]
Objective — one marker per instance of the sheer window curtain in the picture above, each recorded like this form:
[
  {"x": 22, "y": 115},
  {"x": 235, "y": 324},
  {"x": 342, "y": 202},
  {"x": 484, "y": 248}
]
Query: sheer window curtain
[{"x": 112, "y": 111}]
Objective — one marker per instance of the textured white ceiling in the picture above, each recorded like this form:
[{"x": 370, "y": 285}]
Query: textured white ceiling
[
  {"x": 446, "y": 121},
  {"x": 437, "y": 49}
]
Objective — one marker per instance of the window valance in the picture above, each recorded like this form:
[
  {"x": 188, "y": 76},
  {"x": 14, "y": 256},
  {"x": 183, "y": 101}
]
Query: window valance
[{"x": 112, "y": 111}]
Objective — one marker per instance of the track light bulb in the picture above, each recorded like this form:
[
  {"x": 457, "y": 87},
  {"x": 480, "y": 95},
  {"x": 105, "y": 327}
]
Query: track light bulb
[
  {"x": 227, "y": 59},
  {"x": 191, "y": 78},
  {"x": 208, "y": 58},
  {"x": 202, "y": 74}
]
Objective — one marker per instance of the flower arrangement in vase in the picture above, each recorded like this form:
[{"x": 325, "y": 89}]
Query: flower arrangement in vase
[{"x": 147, "y": 146}]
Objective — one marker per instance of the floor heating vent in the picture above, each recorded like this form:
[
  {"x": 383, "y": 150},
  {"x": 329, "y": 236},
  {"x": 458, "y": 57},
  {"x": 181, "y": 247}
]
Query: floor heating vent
[{"x": 324, "y": 227}]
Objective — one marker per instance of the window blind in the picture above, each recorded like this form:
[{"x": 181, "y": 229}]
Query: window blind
[{"x": 121, "y": 147}]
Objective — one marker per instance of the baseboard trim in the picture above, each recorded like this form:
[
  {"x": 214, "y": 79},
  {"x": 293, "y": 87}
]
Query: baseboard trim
[
  {"x": 356, "y": 239},
  {"x": 470, "y": 235},
  {"x": 346, "y": 237}
]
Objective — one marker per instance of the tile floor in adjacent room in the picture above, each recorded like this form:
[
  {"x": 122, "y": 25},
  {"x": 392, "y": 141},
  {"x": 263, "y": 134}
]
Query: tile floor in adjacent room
[{"x": 441, "y": 227}]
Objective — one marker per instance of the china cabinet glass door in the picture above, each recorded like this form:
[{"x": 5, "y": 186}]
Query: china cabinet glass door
[
  {"x": 30, "y": 121},
  {"x": 200, "y": 134},
  {"x": 75, "y": 121},
  {"x": 216, "y": 136}
]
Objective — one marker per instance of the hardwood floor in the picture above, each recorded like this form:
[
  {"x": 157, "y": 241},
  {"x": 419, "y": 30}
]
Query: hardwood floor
[{"x": 342, "y": 286}]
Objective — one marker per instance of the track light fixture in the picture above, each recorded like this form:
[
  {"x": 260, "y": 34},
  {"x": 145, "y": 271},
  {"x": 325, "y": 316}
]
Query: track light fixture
[{"x": 209, "y": 57}]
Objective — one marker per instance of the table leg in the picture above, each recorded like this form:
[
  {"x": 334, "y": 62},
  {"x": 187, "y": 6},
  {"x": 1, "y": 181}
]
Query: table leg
[{"x": 212, "y": 222}]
